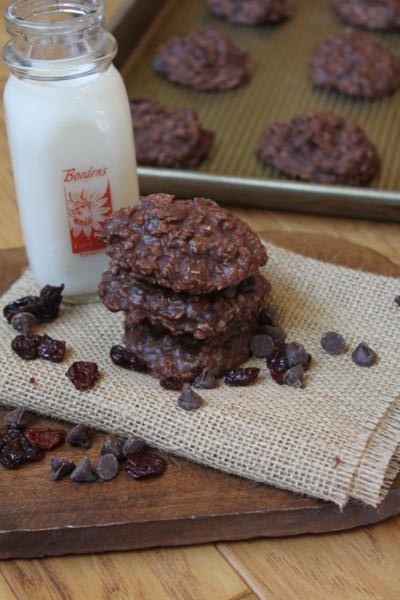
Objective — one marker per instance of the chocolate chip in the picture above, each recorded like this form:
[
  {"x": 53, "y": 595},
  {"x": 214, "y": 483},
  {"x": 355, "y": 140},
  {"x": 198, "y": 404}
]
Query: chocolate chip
[
  {"x": 17, "y": 418},
  {"x": 60, "y": 467},
  {"x": 296, "y": 354},
  {"x": 112, "y": 445},
  {"x": 268, "y": 316},
  {"x": 364, "y": 356},
  {"x": 79, "y": 436},
  {"x": 132, "y": 445},
  {"x": 277, "y": 333},
  {"x": 107, "y": 467},
  {"x": 206, "y": 380},
  {"x": 171, "y": 383},
  {"x": 333, "y": 343},
  {"x": 83, "y": 472},
  {"x": 189, "y": 400},
  {"x": 262, "y": 345},
  {"x": 294, "y": 376}
]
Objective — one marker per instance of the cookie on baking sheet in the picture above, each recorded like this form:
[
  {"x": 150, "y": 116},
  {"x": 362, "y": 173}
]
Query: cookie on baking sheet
[
  {"x": 252, "y": 12},
  {"x": 168, "y": 137},
  {"x": 192, "y": 246},
  {"x": 202, "y": 315},
  {"x": 371, "y": 14},
  {"x": 204, "y": 59},
  {"x": 183, "y": 356},
  {"x": 324, "y": 147},
  {"x": 356, "y": 64}
]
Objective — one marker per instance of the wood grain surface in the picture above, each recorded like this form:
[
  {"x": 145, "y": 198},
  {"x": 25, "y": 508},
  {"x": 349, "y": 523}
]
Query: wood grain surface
[
  {"x": 50, "y": 518},
  {"x": 362, "y": 564}
]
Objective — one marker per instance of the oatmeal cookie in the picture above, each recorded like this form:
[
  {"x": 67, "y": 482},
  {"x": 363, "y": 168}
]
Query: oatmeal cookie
[
  {"x": 324, "y": 147},
  {"x": 355, "y": 64},
  {"x": 192, "y": 246},
  {"x": 371, "y": 14},
  {"x": 252, "y": 12},
  {"x": 201, "y": 315},
  {"x": 185, "y": 357},
  {"x": 168, "y": 137},
  {"x": 204, "y": 59}
]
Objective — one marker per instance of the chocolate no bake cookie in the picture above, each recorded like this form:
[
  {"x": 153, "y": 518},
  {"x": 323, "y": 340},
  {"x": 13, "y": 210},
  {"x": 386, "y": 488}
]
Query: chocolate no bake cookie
[
  {"x": 185, "y": 274},
  {"x": 252, "y": 12},
  {"x": 168, "y": 137},
  {"x": 324, "y": 147},
  {"x": 185, "y": 357},
  {"x": 202, "y": 315},
  {"x": 204, "y": 59},
  {"x": 355, "y": 64},
  {"x": 371, "y": 14},
  {"x": 192, "y": 246}
]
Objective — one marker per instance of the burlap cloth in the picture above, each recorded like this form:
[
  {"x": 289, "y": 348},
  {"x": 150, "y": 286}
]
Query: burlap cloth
[{"x": 336, "y": 439}]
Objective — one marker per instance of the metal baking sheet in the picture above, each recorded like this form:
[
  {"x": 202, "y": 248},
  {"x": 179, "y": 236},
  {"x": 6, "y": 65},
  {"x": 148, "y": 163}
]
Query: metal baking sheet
[{"x": 279, "y": 88}]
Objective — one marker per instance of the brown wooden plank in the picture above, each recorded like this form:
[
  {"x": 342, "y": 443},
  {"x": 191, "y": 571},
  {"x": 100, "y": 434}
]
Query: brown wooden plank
[
  {"x": 159, "y": 574},
  {"x": 190, "y": 503},
  {"x": 357, "y": 565}
]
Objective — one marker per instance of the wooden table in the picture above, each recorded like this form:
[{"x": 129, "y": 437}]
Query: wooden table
[{"x": 356, "y": 565}]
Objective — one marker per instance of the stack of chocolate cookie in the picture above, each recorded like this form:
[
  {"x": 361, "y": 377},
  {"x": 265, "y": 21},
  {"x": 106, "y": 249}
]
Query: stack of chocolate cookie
[{"x": 185, "y": 272}]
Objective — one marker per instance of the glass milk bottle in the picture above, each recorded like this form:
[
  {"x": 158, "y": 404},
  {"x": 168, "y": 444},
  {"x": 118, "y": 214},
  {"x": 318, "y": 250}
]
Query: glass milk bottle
[{"x": 70, "y": 136}]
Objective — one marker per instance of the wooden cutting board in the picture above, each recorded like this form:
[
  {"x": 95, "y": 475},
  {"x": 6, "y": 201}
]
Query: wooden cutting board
[{"x": 189, "y": 504}]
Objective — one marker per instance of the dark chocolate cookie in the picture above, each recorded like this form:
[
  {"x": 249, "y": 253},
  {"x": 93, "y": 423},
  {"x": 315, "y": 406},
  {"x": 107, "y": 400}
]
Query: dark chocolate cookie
[
  {"x": 203, "y": 315},
  {"x": 323, "y": 147},
  {"x": 371, "y": 14},
  {"x": 183, "y": 356},
  {"x": 168, "y": 137},
  {"x": 192, "y": 246},
  {"x": 204, "y": 59},
  {"x": 252, "y": 12},
  {"x": 355, "y": 64}
]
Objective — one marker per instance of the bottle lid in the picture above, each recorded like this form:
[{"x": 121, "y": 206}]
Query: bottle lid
[{"x": 57, "y": 39}]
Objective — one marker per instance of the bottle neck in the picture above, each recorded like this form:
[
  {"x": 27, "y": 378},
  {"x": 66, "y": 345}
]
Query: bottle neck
[{"x": 57, "y": 39}]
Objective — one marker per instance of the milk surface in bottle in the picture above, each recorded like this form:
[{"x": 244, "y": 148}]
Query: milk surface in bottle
[{"x": 70, "y": 136}]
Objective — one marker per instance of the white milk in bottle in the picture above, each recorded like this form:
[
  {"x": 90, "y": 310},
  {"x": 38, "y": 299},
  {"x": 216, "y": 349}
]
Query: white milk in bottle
[{"x": 70, "y": 136}]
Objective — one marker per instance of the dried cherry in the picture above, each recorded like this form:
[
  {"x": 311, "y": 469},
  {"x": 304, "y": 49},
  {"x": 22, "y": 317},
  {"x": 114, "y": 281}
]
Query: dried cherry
[
  {"x": 278, "y": 364},
  {"x": 83, "y": 374},
  {"x": 50, "y": 300},
  {"x": 243, "y": 376},
  {"x": 17, "y": 450},
  {"x": 51, "y": 349},
  {"x": 46, "y": 437},
  {"x": 145, "y": 464},
  {"x": 26, "y": 346},
  {"x": 45, "y": 307},
  {"x": 127, "y": 359}
]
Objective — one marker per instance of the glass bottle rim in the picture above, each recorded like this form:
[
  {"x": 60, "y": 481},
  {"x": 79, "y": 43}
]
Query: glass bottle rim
[{"x": 52, "y": 16}]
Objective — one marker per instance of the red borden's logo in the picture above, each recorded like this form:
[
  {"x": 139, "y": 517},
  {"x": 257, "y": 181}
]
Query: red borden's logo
[
  {"x": 75, "y": 175},
  {"x": 89, "y": 203}
]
